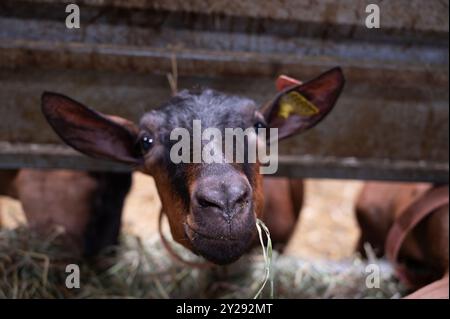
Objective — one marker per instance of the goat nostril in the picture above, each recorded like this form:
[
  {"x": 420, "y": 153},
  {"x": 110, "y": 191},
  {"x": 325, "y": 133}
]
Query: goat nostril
[
  {"x": 241, "y": 200},
  {"x": 206, "y": 202}
]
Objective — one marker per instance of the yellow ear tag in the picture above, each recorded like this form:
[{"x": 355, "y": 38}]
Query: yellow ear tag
[{"x": 294, "y": 102}]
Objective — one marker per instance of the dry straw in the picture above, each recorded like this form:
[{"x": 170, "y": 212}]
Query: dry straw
[
  {"x": 33, "y": 266},
  {"x": 267, "y": 254}
]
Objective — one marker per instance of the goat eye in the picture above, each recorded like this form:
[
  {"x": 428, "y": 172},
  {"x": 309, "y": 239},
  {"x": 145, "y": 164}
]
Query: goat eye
[
  {"x": 258, "y": 126},
  {"x": 146, "y": 142}
]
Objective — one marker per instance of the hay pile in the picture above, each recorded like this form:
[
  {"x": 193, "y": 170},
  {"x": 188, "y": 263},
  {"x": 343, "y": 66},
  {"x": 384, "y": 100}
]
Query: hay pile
[{"x": 32, "y": 266}]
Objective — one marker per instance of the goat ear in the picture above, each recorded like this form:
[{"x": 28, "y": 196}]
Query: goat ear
[
  {"x": 91, "y": 132},
  {"x": 300, "y": 107},
  {"x": 284, "y": 81}
]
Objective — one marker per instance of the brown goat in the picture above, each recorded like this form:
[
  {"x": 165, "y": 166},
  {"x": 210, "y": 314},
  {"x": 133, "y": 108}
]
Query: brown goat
[
  {"x": 87, "y": 205},
  {"x": 211, "y": 207},
  {"x": 424, "y": 253}
]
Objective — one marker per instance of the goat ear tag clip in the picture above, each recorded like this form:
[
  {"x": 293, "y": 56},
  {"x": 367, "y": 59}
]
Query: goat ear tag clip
[{"x": 294, "y": 102}]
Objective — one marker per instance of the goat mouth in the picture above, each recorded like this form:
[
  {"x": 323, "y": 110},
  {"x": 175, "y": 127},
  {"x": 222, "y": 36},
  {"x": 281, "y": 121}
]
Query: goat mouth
[
  {"x": 220, "y": 250},
  {"x": 193, "y": 233}
]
